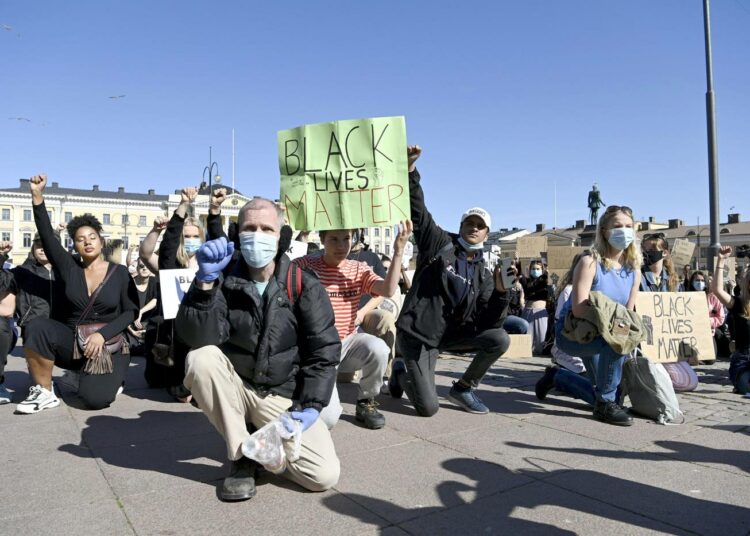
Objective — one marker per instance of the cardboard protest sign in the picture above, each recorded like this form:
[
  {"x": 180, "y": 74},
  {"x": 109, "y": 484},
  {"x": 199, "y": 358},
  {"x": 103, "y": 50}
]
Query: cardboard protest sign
[
  {"x": 345, "y": 174},
  {"x": 560, "y": 257},
  {"x": 730, "y": 268},
  {"x": 173, "y": 286},
  {"x": 682, "y": 252},
  {"x": 677, "y": 326},
  {"x": 531, "y": 246},
  {"x": 520, "y": 347}
]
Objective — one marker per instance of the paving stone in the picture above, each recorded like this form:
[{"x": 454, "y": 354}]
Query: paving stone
[{"x": 90, "y": 517}]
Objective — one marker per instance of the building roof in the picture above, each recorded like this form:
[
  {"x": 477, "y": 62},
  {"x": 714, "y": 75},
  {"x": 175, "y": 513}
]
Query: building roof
[{"x": 54, "y": 189}]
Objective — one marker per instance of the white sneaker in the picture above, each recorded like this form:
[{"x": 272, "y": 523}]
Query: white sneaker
[
  {"x": 5, "y": 396},
  {"x": 39, "y": 399}
]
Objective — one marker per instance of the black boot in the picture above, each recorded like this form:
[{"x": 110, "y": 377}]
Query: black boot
[
  {"x": 240, "y": 484},
  {"x": 611, "y": 413},
  {"x": 545, "y": 383}
]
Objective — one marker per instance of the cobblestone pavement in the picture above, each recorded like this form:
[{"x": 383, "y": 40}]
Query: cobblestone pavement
[{"x": 149, "y": 466}]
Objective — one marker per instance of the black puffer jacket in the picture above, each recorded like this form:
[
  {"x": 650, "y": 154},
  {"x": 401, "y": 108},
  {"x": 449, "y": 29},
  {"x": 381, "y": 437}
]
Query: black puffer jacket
[
  {"x": 290, "y": 350},
  {"x": 426, "y": 312}
]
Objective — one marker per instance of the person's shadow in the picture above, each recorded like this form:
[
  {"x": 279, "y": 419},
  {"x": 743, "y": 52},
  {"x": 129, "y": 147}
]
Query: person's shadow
[
  {"x": 160, "y": 441},
  {"x": 492, "y": 511}
]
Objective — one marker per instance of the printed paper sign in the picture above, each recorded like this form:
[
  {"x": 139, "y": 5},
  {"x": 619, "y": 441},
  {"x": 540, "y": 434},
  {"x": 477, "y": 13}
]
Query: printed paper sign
[
  {"x": 297, "y": 249},
  {"x": 677, "y": 326},
  {"x": 173, "y": 286},
  {"x": 345, "y": 174}
]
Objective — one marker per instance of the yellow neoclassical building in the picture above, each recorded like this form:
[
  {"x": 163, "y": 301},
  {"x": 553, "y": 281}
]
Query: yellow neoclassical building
[{"x": 124, "y": 215}]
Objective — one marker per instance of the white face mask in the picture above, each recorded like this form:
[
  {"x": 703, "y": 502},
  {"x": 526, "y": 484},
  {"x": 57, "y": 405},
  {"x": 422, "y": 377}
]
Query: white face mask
[
  {"x": 536, "y": 272},
  {"x": 699, "y": 285},
  {"x": 620, "y": 238},
  {"x": 258, "y": 248}
]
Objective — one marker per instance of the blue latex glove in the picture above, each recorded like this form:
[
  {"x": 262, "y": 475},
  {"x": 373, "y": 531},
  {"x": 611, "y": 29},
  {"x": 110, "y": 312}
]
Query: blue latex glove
[
  {"x": 306, "y": 418},
  {"x": 213, "y": 257}
]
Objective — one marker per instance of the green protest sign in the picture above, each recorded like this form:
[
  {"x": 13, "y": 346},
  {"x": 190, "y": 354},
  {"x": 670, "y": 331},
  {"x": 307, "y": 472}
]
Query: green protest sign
[{"x": 345, "y": 174}]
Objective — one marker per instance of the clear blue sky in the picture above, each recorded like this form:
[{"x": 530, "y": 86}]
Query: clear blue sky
[{"x": 506, "y": 98}]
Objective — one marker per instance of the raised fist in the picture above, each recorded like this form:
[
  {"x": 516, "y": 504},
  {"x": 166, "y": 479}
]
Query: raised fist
[
  {"x": 38, "y": 183},
  {"x": 160, "y": 223},
  {"x": 413, "y": 152},
  {"x": 188, "y": 195},
  {"x": 218, "y": 196}
]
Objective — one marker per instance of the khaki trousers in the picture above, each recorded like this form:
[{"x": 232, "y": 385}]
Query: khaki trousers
[
  {"x": 382, "y": 324},
  {"x": 230, "y": 403}
]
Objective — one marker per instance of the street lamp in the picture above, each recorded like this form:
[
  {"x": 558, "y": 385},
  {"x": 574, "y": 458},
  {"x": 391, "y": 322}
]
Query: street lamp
[
  {"x": 713, "y": 165},
  {"x": 213, "y": 172}
]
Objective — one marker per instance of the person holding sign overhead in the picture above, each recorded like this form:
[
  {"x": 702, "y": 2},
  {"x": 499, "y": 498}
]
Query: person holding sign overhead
[
  {"x": 739, "y": 307},
  {"x": 263, "y": 343},
  {"x": 454, "y": 303},
  {"x": 346, "y": 281},
  {"x": 614, "y": 270}
]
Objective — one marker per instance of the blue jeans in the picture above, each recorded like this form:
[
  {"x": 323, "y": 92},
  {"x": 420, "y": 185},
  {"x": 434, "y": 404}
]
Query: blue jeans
[
  {"x": 603, "y": 366},
  {"x": 515, "y": 325}
]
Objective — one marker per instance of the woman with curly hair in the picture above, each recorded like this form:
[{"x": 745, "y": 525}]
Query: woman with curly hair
[{"x": 99, "y": 295}]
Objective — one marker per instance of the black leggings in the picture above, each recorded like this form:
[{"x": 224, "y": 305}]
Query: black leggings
[{"x": 54, "y": 340}]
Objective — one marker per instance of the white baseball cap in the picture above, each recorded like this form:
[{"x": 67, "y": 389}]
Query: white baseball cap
[{"x": 480, "y": 212}]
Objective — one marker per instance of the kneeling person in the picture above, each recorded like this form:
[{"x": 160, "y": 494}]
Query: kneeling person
[
  {"x": 346, "y": 281},
  {"x": 257, "y": 354}
]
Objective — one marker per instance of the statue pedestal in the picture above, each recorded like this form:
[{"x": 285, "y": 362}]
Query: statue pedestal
[{"x": 587, "y": 236}]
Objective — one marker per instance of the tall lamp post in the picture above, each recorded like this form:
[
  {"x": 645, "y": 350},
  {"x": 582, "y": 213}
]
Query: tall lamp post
[
  {"x": 213, "y": 172},
  {"x": 713, "y": 164}
]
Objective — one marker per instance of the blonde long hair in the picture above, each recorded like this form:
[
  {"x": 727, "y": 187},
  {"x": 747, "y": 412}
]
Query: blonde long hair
[
  {"x": 183, "y": 259},
  {"x": 631, "y": 257}
]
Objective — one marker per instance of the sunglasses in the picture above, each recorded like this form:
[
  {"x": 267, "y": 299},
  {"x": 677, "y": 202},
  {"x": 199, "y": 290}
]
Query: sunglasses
[
  {"x": 654, "y": 236},
  {"x": 618, "y": 208}
]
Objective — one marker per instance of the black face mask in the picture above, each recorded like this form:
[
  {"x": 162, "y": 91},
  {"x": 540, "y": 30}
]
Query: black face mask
[{"x": 652, "y": 256}]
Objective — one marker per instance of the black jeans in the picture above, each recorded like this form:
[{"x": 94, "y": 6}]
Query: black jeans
[
  {"x": 420, "y": 361},
  {"x": 54, "y": 340}
]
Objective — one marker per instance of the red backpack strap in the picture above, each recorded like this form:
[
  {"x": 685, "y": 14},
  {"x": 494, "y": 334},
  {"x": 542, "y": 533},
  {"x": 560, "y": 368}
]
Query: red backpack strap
[{"x": 293, "y": 283}]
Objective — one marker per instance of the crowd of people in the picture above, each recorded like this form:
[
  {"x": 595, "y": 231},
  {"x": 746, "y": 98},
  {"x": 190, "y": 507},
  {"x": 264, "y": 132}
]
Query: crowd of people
[{"x": 259, "y": 336}]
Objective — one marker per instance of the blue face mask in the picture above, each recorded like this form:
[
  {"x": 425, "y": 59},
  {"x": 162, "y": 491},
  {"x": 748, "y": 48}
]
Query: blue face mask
[
  {"x": 470, "y": 247},
  {"x": 620, "y": 238},
  {"x": 536, "y": 272},
  {"x": 192, "y": 245},
  {"x": 699, "y": 285},
  {"x": 258, "y": 249}
]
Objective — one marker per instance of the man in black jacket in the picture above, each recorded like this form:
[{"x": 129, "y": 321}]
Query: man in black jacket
[
  {"x": 455, "y": 303},
  {"x": 257, "y": 354}
]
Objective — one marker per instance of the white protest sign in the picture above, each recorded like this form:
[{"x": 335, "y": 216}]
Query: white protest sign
[
  {"x": 682, "y": 252},
  {"x": 297, "y": 249},
  {"x": 677, "y": 326},
  {"x": 173, "y": 286}
]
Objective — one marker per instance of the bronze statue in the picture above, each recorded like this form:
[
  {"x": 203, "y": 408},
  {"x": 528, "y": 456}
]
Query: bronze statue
[{"x": 595, "y": 203}]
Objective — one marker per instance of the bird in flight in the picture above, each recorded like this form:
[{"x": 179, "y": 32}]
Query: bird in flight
[
  {"x": 7, "y": 28},
  {"x": 117, "y": 97},
  {"x": 19, "y": 119}
]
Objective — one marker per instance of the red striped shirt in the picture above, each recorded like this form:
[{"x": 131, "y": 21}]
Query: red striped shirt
[{"x": 345, "y": 285}]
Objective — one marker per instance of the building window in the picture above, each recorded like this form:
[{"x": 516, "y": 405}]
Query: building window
[
  {"x": 49, "y": 215},
  {"x": 69, "y": 243},
  {"x": 377, "y": 248},
  {"x": 27, "y": 240},
  {"x": 387, "y": 232},
  {"x": 388, "y": 250},
  {"x": 377, "y": 231},
  {"x": 6, "y": 214},
  {"x": 125, "y": 242},
  {"x": 125, "y": 219},
  {"x": 365, "y": 233},
  {"x": 27, "y": 214},
  {"x": 68, "y": 216},
  {"x": 6, "y": 237},
  {"x": 142, "y": 221},
  {"x": 106, "y": 219}
]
